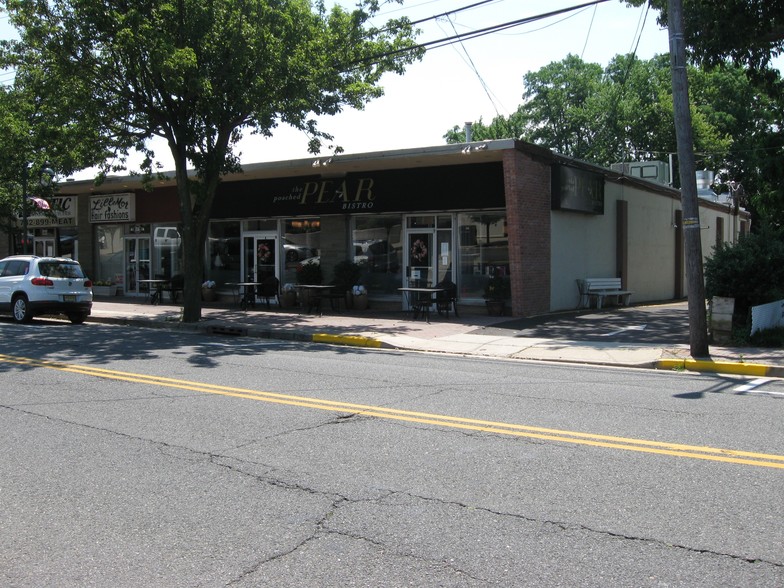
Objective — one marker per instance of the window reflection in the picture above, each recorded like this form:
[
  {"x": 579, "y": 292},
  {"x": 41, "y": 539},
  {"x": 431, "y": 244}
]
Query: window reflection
[
  {"x": 484, "y": 250},
  {"x": 378, "y": 250}
]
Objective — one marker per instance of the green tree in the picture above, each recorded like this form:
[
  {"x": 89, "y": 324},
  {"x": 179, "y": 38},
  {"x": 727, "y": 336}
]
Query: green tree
[
  {"x": 34, "y": 137},
  {"x": 748, "y": 32},
  {"x": 625, "y": 113},
  {"x": 198, "y": 73},
  {"x": 751, "y": 271}
]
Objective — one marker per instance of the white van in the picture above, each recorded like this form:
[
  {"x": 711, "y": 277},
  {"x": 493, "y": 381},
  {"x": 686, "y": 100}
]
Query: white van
[{"x": 167, "y": 237}]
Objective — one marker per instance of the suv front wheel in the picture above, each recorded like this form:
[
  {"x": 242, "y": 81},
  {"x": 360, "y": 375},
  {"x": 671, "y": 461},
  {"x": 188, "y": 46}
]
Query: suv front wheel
[{"x": 22, "y": 312}]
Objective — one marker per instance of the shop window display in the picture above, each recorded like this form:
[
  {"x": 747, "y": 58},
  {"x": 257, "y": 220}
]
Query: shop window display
[
  {"x": 484, "y": 250},
  {"x": 378, "y": 250}
]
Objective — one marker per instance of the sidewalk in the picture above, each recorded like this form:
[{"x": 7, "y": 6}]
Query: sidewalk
[{"x": 561, "y": 337}]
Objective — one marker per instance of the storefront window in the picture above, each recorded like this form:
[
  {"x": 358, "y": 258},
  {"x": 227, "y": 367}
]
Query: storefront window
[
  {"x": 68, "y": 243},
  {"x": 378, "y": 250},
  {"x": 109, "y": 248},
  {"x": 224, "y": 255},
  {"x": 484, "y": 250},
  {"x": 301, "y": 245},
  {"x": 168, "y": 251}
]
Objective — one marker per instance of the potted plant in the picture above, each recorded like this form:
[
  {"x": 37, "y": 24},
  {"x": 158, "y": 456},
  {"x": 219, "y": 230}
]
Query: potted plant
[
  {"x": 288, "y": 296},
  {"x": 208, "y": 293},
  {"x": 345, "y": 276},
  {"x": 308, "y": 273},
  {"x": 104, "y": 288},
  {"x": 497, "y": 291},
  {"x": 359, "y": 297}
]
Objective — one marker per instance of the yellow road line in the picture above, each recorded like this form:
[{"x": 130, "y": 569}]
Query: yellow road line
[{"x": 527, "y": 431}]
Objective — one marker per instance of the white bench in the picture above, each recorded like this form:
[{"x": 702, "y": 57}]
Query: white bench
[{"x": 598, "y": 288}]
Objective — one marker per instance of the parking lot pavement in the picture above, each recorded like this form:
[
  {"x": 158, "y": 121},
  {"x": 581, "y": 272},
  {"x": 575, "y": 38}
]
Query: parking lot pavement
[{"x": 661, "y": 324}]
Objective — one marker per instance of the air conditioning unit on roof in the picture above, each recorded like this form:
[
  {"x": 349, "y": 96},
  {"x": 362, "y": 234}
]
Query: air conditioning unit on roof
[{"x": 653, "y": 171}]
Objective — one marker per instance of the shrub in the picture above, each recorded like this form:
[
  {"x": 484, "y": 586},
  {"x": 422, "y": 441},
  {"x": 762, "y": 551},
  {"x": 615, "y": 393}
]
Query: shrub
[
  {"x": 346, "y": 275},
  {"x": 498, "y": 288},
  {"x": 309, "y": 273},
  {"x": 751, "y": 271}
]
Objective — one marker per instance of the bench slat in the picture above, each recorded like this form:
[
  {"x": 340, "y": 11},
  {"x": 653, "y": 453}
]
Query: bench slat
[{"x": 598, "y": 288}]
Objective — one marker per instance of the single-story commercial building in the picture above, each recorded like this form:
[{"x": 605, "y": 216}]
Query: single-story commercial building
[{"x": 461, "y": 212}]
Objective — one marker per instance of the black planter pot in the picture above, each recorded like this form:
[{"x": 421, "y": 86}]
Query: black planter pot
[{"x": 495, "y": 307}]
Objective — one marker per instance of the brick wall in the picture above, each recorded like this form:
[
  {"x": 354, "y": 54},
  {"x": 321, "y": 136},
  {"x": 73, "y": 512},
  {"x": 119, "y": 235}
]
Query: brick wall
[{"x": 527, "y": 191}]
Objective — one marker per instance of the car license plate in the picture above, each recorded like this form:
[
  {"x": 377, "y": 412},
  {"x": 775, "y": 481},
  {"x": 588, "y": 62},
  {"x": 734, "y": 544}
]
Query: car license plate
[{"x": 69, "y": 298}]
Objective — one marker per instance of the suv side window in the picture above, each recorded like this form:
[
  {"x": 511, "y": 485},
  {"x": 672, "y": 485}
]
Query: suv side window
[{"x": 16, "y": 267}]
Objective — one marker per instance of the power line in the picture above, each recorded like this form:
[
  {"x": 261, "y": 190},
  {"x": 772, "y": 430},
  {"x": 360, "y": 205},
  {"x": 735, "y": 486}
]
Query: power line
[
  {"x": 472, "y": 65},
  {"x": 590, "y": 28},
  {"x": 477, "y": 33}
]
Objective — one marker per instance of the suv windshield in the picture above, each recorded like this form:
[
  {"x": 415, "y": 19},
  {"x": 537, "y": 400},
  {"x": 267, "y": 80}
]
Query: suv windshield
[{"x": 60, "y": 269}]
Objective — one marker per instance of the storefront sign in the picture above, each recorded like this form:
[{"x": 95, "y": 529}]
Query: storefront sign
[
  {"x": 410, "y": 190},
  {"x": 61, "y": 213},
  {"x": 113, "y": 208},
  {"x": 577, "y": 190}
]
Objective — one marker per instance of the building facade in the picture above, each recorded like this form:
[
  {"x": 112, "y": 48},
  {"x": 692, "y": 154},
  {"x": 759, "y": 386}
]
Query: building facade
[{"x": 461, "y": 213}]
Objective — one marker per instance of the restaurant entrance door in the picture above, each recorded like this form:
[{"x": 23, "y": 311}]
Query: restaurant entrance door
[
  {"x": 260, "y": 256},
  {"x": 429, "y": 255}
]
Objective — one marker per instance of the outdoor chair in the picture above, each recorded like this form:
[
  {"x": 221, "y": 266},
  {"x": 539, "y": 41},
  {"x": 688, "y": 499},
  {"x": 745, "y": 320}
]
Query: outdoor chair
[
  {"x": 270, "y": 288},
  {"x": 447, "y": 298}
]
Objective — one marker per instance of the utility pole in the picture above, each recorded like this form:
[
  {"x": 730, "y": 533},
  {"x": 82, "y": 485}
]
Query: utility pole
[{"x": 698, "y": 323}]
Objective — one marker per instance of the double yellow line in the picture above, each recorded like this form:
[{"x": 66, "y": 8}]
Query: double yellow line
[{"x": 500, "y": 428}]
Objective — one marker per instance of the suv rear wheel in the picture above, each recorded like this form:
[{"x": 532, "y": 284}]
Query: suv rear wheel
[
  {"x": 77, "y": 318},
  {"x": 21, "y": 308}
]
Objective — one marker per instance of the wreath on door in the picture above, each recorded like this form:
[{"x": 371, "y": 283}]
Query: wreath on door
[
  {"x": 264, "y": 253},
  {"x": 419, "y": 251}
]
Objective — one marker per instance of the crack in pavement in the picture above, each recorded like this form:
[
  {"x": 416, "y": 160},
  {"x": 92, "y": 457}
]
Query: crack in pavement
[
  {"x": 602, "y": 532},
  {"x": 338, "y": 501}
]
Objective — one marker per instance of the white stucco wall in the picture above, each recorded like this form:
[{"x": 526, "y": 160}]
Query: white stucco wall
[{"x": 583, "y": 246}]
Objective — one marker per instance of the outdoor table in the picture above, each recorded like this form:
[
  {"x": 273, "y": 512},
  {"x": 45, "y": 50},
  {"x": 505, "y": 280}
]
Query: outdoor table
[
  {"x": 156, "y": 289},
  {"x": 244, "y": 293},
  {"x": 420, "y": 299},
  {"x": 314, "y": 295}
]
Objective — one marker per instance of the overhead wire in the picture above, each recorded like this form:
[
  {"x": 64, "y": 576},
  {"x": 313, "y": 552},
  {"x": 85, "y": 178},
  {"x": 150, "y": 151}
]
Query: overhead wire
[
  {"x": 590, "y": 28},
  {"x": 437, "y": 43},
  {"x": 473, "y": 67}
]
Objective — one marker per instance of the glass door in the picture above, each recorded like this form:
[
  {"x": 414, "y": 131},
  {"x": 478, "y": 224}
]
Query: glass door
[
  {"x": 420, "y": 258},
  {"x": 430, "y": 252},
  {"x": 137, "y": 265},
  {"x": 260, "y": 256},
  {"x": 44, "y": 246}
]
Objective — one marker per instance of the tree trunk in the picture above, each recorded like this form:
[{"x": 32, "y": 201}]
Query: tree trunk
[{"x": 193, "y": 268}]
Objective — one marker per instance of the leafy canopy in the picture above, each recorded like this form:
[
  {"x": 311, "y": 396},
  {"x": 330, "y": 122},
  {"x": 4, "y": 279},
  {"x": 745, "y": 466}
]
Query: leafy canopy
[
  {"x": 199, "y": 73},
  {"x": 624, "y": 112},
  {"x": 746, "y": 32}
]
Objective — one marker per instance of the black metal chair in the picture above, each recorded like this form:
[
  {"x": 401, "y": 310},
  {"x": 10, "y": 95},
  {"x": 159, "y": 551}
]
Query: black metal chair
[
  {"x": 447, "y": 298},
  {"x": 176, "y": 285},
  {"x": 269, "y": 289},
  {"x": 421, "y": 301}
]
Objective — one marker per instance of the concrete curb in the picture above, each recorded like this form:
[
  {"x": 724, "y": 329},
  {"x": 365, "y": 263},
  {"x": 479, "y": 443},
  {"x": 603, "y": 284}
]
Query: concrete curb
[
  {"x": 722, "y": 367},
  {"x": 352, "y": 340},
  {"x": 227, "y": 329}
]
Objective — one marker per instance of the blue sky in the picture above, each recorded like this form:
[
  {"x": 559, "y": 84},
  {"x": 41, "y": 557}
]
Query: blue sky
[
  {"x": 480, "y": 78},
  {"x": 463, "y": 82}
]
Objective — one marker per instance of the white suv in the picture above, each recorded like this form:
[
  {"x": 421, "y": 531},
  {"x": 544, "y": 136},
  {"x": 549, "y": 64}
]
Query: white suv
[{"x": 31, "y": 285}]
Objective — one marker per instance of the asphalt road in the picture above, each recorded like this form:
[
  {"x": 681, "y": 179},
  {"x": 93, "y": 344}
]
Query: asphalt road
[{"x": 136, "y": 457}]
